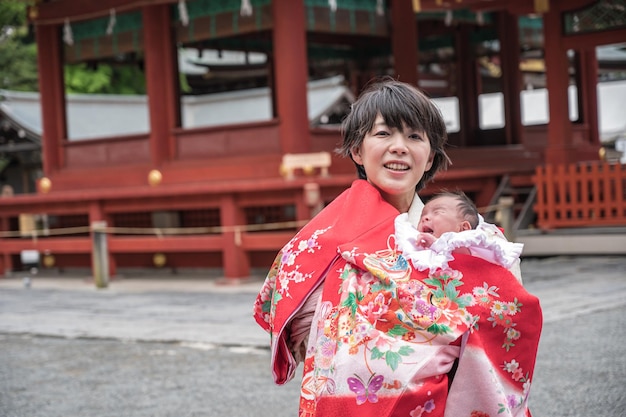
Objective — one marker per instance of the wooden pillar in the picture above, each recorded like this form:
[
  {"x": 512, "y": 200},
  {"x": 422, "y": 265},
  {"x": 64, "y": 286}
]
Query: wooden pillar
[
  {"x": 588, "y": 93},
  {"x": 96, "y": 214},
  {"x": 52, "y": 96},
  {"x": 559, "y": 149},
  {"x": 6, "y": 260},
  {"x": 404, "y": 43},
  {"x": 467, "y": 86},
  {"x": 508, "y": 29},
  {"x": 291, "y": 75},
  {"x": 234, "y": 259},
  {"x": 161, "y": 63}
]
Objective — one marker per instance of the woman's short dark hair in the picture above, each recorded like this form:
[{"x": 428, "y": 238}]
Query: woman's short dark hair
[{"x": 400, "y": 104}]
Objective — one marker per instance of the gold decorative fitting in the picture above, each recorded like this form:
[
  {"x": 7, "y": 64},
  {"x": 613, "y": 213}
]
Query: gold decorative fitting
[
  {"x": 159, "y": 260},
  {"x": 283, "y": 170},
  {"x": 542, "y": 6},
  {"x": 308, "y": 169},
  {"x": 48, "y": 261},
  {"x": 155, "y": 177},
  {"x": 33, "y": 12},
  {"x": 45, "y": 184}
]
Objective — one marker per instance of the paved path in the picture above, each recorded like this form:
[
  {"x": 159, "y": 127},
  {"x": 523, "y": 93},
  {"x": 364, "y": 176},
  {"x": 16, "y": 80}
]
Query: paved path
[
  {"x": 161, "y": 310},
  {"x": 105, "y": 358},
  {"x": 213, "y": 311}
]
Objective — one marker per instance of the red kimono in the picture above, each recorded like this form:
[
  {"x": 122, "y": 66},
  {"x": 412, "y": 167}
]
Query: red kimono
[{"x": 389, "y": 340}]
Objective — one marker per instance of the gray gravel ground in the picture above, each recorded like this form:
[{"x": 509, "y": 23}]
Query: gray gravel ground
[
  {"x": 580, "y": 372},
  {"x": 59, "y": 377}
]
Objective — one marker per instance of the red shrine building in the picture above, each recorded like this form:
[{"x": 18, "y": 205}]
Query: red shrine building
[{"x": 216, "y": 190}]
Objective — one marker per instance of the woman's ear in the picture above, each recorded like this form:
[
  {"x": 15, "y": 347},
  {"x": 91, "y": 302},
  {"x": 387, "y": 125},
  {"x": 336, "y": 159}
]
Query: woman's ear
[
  {"x": 429, "y": 164},
  {"x": 356, "y": 155}
]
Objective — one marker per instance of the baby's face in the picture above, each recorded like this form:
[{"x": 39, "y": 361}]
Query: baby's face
[{"x": 441, "y": 215}]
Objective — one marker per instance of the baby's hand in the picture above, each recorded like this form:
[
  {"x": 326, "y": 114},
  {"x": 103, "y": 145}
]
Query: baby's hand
[{"x": 424, "y": 240}]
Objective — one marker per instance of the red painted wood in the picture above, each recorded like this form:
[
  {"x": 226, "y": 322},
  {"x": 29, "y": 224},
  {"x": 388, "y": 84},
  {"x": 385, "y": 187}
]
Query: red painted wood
[
  {"x": 578, "y": 195},
  {"x": 150, "y": 243},
  {"x": 467, "y": 81},
  {"x": 514, "y": 6},
  {"x": 227, "y": 140},
  {"x": 58, "y": 11},
  {"x": 107, "y": 152},
  {"x": 559, "y": 149},
  {"x": 266, "y": 241},
  {"x": 291, "y": 74},
  {"x": 6, "y": 260},
  {"x": 52, "y": 96},
  {"x": 53, "y": 245},
  {"x": 161, "y": 81},
  {"x": 404, "y": 41},
  {"x": 508, "y": 30},
  {"x": 588, "y": 90},
  {"x": 591, "y": 40},
  {"x": 234, "y": 257}
]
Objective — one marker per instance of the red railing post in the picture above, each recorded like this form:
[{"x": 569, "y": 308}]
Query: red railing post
[{"x": 577, "y": 195}]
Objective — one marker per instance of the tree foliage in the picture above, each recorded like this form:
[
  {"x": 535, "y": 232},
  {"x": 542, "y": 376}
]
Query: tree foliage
[
  {"x": 104, "y": 79},
  {"x": 18, "y": 61},
  {"x": 18, "y": 52}
]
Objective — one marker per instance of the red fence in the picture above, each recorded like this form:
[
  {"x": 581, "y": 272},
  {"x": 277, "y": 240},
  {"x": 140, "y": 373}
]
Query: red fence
[{"x": 582, "y": 194}]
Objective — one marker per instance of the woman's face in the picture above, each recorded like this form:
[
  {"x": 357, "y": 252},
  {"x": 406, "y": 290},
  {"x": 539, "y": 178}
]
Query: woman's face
[{"x": 394, "y": 161}]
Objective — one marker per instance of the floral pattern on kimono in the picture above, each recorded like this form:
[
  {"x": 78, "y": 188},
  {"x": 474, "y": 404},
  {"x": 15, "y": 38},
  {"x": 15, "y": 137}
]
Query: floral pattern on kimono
[{"x": 385, "y": 336}]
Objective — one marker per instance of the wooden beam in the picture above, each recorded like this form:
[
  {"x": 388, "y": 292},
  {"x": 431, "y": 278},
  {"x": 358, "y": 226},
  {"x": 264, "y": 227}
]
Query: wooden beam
[
  {"x": 57, "y": 12},
  {"x": 143, "y": 244},
  {"x": 591, "y": 40},
  {"x": 512, "y": 6},
  {"x": 161, "y": 82},
  {"x": 54, "y": 245},
  {"x": 290, "y": 75},
  {"x": 52, "y": 97},
  {"x": 404, "y": 41},
  {"x": 560, "y": 147}
]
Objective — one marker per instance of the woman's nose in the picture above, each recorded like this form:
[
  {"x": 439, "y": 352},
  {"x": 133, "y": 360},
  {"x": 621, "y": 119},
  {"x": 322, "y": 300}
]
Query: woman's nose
[{"x": 399, "y": 143}]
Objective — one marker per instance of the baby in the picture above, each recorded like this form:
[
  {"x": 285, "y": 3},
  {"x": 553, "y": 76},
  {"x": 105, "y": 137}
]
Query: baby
[
  {"x": 450, "y": 224},
  {"x": 446, "y": 212}
]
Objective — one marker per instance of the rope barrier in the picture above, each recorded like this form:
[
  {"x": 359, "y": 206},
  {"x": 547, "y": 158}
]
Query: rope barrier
[
  {"x": 158, "y": 231},
  {"x": 173, "y": 231}
]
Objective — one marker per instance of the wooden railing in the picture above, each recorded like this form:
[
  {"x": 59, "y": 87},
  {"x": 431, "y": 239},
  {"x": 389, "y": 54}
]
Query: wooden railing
[
  {"x": 234, "y": 225},
  {"x": 584, "y": 194}
]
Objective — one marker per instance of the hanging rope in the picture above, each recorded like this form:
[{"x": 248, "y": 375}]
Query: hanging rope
[
  {"x": 480, "y": 18},
  {"x": 68, "y": 38},
  {"x": 111, "y": 24},
  {"x": 182, "y": 11},
  {"x": 380, "y": 7},
  {"x": 246, "y": 8}
]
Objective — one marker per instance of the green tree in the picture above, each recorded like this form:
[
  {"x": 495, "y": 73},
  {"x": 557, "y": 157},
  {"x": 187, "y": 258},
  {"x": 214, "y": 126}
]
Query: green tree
[
  {"x": 18, "y": 52},
  {"x": 18, "y": 62},
  {"x": 104, "y": 79}
]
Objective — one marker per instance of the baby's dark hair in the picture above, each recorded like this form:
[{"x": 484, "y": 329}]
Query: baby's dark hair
[
  {"x": 466, "y": 206},
  {"x": 400, "y": 104}
]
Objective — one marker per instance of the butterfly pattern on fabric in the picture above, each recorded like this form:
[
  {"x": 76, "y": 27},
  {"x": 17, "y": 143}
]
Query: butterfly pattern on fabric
[{"x": 366, "y": 393}]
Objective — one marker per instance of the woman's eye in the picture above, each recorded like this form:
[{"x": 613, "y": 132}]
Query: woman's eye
[
  {"x": 381, "y": 133},
  {"x": 416, "y": 136}
]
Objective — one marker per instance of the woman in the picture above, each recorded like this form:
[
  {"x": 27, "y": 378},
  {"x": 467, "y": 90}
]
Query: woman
[{"x": 377, "y": 336}]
